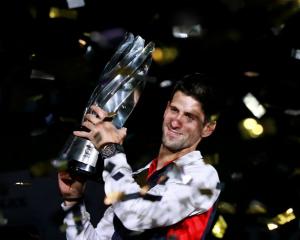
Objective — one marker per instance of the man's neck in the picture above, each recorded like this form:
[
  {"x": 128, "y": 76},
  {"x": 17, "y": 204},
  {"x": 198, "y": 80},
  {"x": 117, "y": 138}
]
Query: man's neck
[{"x": 165, "y": 155}]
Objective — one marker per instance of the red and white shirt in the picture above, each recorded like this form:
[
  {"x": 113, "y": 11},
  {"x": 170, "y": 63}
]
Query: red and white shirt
[{"x": 179, "y": 204}]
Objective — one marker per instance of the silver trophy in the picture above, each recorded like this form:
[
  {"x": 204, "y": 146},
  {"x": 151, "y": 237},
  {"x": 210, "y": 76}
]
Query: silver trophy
[{"x": 118, "y": 91}]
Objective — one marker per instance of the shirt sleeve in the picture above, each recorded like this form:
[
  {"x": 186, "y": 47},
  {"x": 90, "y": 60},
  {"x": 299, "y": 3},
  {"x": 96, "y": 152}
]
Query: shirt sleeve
[
  {"x": 164, "y": 204},
  {"x": 78, "y": 226}
]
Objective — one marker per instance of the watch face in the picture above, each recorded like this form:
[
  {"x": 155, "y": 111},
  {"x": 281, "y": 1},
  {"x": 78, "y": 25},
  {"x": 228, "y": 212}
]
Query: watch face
[{"x": 111, "y": 149}]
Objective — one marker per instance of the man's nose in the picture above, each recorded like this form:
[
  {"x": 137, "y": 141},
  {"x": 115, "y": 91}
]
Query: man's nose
[{"x": 176, "y": 121}]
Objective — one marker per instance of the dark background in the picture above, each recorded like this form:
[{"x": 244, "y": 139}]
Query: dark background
[{"x": 238, "y": 37}]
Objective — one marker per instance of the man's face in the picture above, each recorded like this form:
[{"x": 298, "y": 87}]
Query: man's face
[{"x": 183, "y": 123}]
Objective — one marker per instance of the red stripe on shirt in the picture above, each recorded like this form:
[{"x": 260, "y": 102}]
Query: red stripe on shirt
[{"x": 189, "y": 228}]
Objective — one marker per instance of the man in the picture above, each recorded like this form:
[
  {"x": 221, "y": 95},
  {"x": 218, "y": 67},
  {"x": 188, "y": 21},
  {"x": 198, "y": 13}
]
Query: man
[{"x": 182, "y": 190}]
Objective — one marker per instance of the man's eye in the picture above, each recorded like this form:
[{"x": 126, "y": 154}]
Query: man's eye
[
  {"x": 189, "y": 117},
  {"x": 173, "y": 109}
]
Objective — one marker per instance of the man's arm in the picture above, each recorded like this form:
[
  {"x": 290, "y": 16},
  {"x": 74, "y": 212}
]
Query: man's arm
[{"x": 78, "y": 226}]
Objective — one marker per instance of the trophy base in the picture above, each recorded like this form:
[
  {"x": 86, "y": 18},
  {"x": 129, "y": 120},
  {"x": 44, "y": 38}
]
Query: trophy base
[
  {"x": 82, "y": 158},
  {"x": 84, "y": 170}
]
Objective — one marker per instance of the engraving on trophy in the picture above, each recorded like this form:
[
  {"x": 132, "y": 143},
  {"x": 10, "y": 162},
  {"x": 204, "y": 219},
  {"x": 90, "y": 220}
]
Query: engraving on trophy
[{"x": 88, "y": 151}]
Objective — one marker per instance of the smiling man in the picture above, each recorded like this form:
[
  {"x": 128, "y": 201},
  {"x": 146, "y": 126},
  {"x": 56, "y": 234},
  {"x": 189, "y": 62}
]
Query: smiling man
[{"x": 181, "y": 188}]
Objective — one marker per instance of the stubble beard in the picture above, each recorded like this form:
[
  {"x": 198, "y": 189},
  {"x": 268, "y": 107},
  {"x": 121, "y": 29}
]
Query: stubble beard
[{"x": 173, "y": 145}]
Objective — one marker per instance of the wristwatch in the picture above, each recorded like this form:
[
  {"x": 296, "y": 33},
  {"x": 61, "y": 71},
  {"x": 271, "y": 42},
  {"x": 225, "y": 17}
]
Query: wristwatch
[{"x": 111, "y": 149}]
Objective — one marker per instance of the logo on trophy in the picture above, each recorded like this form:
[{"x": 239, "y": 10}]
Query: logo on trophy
[{"x": 120, "y": 86}]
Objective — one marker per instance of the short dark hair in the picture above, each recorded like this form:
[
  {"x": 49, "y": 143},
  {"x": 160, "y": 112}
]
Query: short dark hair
[{"x": 201, "y": 87}]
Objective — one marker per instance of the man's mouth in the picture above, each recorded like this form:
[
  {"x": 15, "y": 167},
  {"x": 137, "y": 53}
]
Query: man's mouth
[{"x": 172, "y": 132}]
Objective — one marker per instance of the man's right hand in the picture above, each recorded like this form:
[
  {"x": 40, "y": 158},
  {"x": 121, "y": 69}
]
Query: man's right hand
[
  {"x": 71, "y": 188},
  {"x": 100, "y": 131}
]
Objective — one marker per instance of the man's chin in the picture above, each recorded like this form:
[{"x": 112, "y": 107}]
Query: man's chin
[{"x": 172, "y": 147}]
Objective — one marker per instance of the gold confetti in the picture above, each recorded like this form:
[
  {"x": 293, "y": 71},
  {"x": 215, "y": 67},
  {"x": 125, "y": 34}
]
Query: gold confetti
[
  {"x": 162, "y": 179},
  {"x": 110, "y": 116},
  {"x": 206, "y": 191},
  {"x": 144, "y": 189},
  {"x": 113, "y": 197}
]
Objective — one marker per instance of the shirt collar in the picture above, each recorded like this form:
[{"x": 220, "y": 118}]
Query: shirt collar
[{"x": 186, "y": 159}]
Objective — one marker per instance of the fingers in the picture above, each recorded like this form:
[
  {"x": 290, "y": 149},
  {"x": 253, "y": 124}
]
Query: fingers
[
  {"x": 92, "y": 118},
  {"x": 88, "y": 125},
  {"x": 95, "y": 117},
  {"x": 98, "y": 138},
  {"x": 123, "y": 133},
  {"x": 102, "y": 130},
  {"x": 65, "y": 178},
  {"x": 81, "y": 134},
  {"x": 100, "y": 113},
  {"x": 64, "y": 175}
]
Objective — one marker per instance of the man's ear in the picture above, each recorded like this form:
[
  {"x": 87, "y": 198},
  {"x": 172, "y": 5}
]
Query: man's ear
[{"x": 208, "y": 128}]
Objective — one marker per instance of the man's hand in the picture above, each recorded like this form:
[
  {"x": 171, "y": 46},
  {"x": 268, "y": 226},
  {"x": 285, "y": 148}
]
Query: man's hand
[
  {"x": 71, "y": 188},
  {"x": 101, "y": 130}
]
